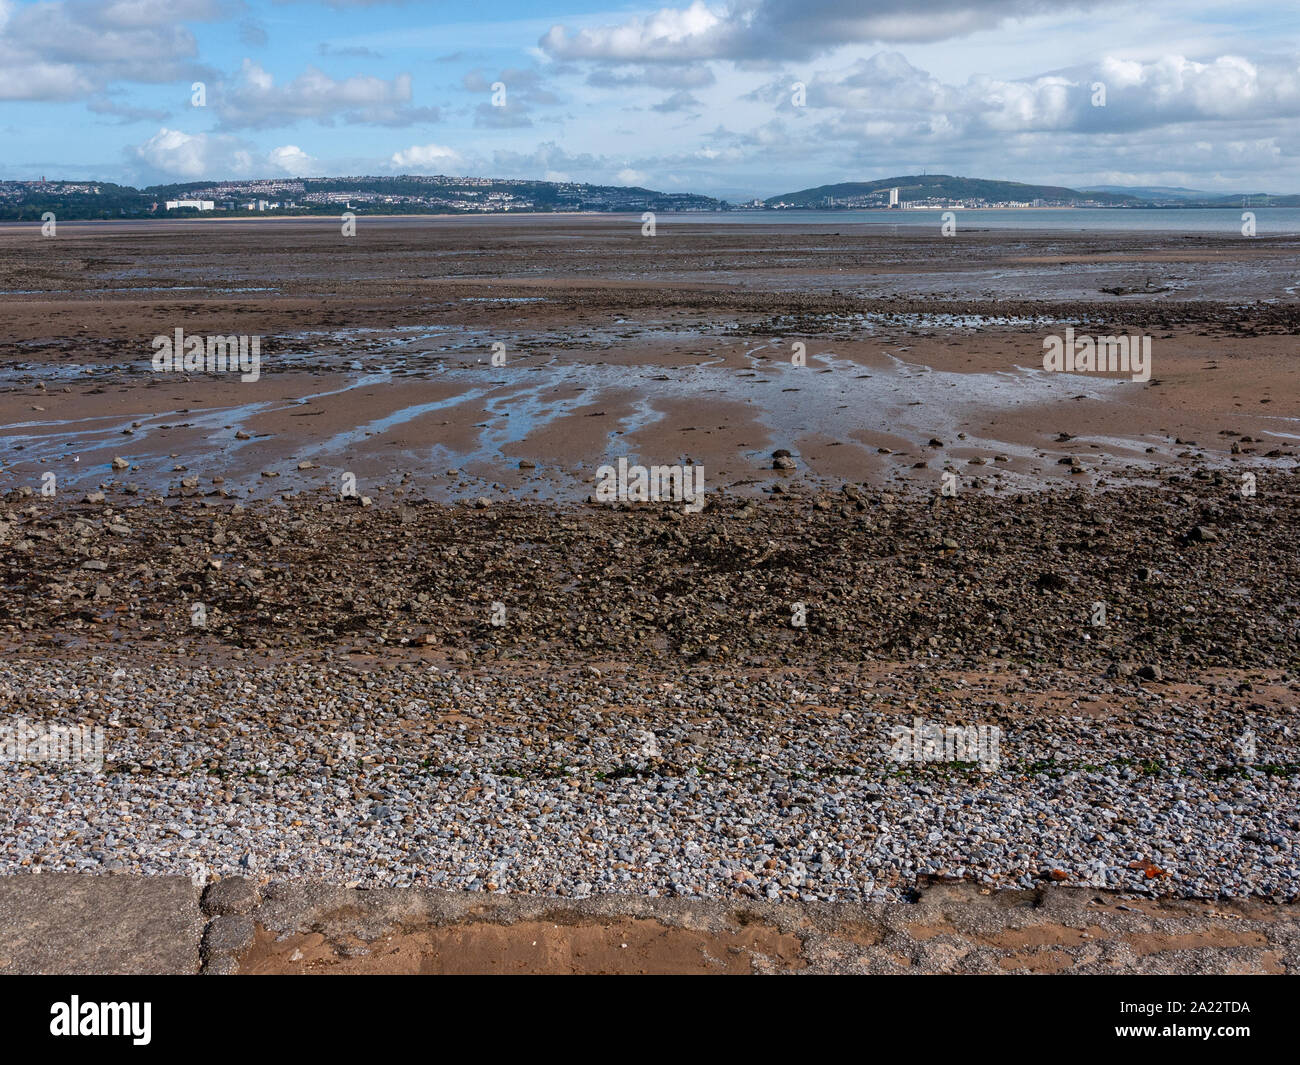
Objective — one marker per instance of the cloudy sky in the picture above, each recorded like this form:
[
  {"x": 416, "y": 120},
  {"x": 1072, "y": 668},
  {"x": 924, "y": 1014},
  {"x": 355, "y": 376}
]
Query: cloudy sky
[{"x": 700, "y": 96}]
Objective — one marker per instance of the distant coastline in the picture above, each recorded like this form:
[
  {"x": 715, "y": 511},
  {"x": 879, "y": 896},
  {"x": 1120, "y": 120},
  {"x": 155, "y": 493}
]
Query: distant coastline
[{"x": 442, "y": 195}]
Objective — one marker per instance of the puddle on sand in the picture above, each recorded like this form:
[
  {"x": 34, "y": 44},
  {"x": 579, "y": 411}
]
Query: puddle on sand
[
  {"x": 871, "y": 322},
  {"x": 840, "y": 400},
  {"x": 504, "y": 299},
  {"x": 832, "y": 398}
]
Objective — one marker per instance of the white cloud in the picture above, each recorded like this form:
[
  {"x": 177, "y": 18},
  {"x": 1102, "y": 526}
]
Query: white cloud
[
  {"x": 43, "y": 81},
  {"x": 887, "y": 96},
  {"x": 628, "y": 176},
  {"x": 427, "y": 159},
  {"x": 170, "y": 153},
  {"x": 72, "y": 49},
  {"x": 293, "y": 160},
  {"x": 173, "y": 155},
  {"x": 1227, "y": 86},
  {"x": 781, "y": 30},
  {"x": 256, "y": 102},
  {"x": 695, "y": 32}
]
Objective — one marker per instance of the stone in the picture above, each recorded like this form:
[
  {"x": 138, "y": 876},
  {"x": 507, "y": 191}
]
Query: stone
[
  {"x": 228, "y": 934},
  {"x": 62, "y": 923},
  {"x": 233, "y": 895}
]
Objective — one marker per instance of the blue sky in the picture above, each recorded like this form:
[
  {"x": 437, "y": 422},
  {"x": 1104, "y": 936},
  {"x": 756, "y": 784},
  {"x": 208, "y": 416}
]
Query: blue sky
[{"x": 696, "y": 96}]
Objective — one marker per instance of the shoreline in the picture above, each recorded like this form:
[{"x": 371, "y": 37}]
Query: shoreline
[{"x": 781, "y": 218}]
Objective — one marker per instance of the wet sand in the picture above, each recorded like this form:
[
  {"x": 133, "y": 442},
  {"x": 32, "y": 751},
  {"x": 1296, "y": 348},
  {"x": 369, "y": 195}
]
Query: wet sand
[{"x": 377, "y": 355}]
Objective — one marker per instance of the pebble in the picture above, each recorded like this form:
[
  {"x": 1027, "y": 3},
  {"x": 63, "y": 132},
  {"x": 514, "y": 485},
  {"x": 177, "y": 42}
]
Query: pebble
[{"x": 544, "y": 783}]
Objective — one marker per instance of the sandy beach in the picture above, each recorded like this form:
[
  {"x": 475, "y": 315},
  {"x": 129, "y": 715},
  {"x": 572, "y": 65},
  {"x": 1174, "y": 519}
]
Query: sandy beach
[{"x": 473, "y": 675}]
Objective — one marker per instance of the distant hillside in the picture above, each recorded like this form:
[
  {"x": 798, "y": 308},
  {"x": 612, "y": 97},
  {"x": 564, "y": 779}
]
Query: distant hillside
[
  {"x": 1257, "y": 199},
  {"x": 1156, "y": 192},
  {"x": 440, "y": 194},
  {"x": 399, "y": 194},
  {"x": 945, "y": 188},
  {"x": 1165, "y": 194},
  {"x": 28, "y": 200}
]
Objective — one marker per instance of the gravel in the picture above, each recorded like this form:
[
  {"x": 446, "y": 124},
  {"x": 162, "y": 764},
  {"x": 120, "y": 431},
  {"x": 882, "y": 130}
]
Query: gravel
[
  {"x": 322, "y": 690},
  {"x": 713, "y": 783}
]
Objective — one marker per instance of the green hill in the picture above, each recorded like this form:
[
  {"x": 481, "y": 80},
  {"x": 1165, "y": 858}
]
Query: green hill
[
  {"x": 402, "y": 194},
  {"x": 945, "y": 187}
]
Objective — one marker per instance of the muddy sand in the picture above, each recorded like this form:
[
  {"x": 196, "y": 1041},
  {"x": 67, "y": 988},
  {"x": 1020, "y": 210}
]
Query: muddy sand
[{"x": 377, "y": 355}]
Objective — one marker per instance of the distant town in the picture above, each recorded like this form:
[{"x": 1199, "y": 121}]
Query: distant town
[
  {"x": 441, "y": 194},
  {"x": 890, "y": 199},
  {"x": 436, "y": 193},
  {"x": 406, "y": 194}
]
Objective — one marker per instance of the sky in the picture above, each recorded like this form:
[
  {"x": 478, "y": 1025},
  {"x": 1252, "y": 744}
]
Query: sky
[{"x": 735, "y": 98}]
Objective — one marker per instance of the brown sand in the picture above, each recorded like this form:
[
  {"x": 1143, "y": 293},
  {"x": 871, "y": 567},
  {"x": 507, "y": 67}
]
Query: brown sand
[{"x": 664, "y": 349}]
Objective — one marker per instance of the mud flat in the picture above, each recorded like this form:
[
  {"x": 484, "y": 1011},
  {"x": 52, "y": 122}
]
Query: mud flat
[{"x": 377, "y": 354}]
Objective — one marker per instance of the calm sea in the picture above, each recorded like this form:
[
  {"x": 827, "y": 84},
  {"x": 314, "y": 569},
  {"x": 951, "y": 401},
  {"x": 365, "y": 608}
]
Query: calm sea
[{"x": 1269, "y": 221}]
